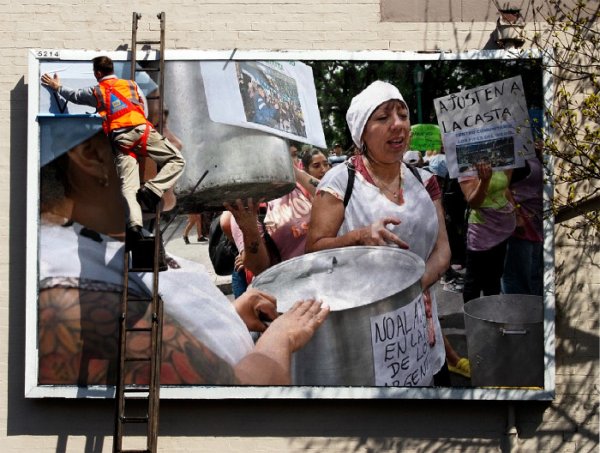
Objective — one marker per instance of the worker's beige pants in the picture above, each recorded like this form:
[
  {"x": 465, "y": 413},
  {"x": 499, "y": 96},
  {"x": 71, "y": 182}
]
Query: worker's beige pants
[{"x": 168, "y": 159}]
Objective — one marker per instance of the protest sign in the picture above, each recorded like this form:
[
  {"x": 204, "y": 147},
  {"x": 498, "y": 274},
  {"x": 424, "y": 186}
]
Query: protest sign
[
  {"x": 277, "y": 97},
  {"x": 489, "y": 123},
  {"x": 425, "y": 137},
  {"x": 400, "y": 348}
]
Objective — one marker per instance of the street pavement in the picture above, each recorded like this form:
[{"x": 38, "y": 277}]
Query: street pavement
[
  {"x": 194, "y": 251},
  {"x": 450, "y": 304}
]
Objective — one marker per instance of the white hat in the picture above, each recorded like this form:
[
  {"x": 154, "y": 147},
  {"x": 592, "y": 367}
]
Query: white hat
[
  {"x": 411, "y": 157},
  {"x": 363, "y": 105}
]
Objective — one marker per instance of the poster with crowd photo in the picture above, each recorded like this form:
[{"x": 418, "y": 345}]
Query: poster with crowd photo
[
  {"x": 278, "y": 97},
  {"x": 393, "y": 349},
  {"x": 488, "y": 123}
]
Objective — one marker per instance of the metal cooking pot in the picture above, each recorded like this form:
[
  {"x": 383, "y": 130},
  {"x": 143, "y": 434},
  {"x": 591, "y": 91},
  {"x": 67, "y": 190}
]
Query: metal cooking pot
[
  {"x": 239, "y": 162},
  {"x": 366, "y": 288},
  {"x": 505, "y": 340}
]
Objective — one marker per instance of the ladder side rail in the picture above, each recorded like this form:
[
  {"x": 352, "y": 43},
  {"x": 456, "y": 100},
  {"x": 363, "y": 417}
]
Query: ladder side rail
[
  {"x": 120, "y": 384},
  {"x": 161, "y": 66},
  {"x": 156, "y": 339},
  {"x": 134, "y": 28}
]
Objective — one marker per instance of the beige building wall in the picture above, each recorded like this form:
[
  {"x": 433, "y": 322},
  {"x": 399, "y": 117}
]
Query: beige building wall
[{"x": 569, "y": 423}]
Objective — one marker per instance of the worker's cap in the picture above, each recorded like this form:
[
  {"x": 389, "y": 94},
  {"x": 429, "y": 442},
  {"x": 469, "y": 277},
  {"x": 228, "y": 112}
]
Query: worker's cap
[
  {"x": 61, "y": 131},
  {"x": 364, "y": 103}
]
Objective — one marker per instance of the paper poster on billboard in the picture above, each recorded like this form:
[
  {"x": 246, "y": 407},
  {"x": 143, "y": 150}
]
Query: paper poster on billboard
[
  {"x": 278, "y": 97},
  {"x": 489, "y": 123},
  {"x": 400, "y": 350}
]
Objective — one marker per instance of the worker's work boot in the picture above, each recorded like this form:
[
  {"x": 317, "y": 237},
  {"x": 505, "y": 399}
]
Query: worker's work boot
[
  {"x": 133, "y": 236},
  {"x": 147, "y": 199},
  {"x": 142, "y": 256}
]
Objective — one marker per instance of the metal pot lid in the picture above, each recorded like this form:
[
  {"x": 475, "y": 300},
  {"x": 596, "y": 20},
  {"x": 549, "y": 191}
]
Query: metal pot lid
[{"x": 344, "y": 278}]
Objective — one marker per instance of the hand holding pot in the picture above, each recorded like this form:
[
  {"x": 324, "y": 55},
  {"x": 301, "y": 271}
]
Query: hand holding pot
[
  {"x": 299, "y": 323},
  {"x": 256, "y": 307},
  {"x": 245, "y": 213}
]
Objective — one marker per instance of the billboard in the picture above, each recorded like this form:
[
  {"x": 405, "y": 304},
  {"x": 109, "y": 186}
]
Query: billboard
[{"x": 235, "y": 118}]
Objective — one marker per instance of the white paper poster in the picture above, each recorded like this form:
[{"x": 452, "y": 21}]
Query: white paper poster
[
  {"x": 489, "y": 123},
  {"x": 400, "y": 347},
  {"x": 277, "y": 97}
]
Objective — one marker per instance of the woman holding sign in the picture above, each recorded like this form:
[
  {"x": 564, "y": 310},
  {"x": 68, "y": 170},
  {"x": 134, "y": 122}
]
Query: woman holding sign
[
  {"x": 390, "y": 203},
  {"x": 491, "y": 222}
]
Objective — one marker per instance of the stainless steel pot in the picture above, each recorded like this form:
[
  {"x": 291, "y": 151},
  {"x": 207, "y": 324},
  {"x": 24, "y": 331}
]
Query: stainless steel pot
[
  {"x": 239, "y": 162},
  {"x": 360, "y": 284},
  {"x": 505, "y": 340}
]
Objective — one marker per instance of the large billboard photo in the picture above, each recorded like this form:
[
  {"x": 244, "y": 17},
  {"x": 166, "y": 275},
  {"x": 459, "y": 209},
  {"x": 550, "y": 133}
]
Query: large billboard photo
[{"x": 345, "y": 281}]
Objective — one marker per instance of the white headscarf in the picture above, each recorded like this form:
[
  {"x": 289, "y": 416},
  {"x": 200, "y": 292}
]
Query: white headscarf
[{"x": 363, "y": 105}]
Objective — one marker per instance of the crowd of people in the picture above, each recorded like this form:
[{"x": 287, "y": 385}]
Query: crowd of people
[
  {"x": 494, "y": 224},
  {"x": 397, "y": 199},
  {"x": 271, "y": 102}
]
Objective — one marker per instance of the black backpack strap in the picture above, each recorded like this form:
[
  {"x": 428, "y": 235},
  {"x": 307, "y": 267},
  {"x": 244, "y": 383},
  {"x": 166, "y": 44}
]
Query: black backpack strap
[
  {"x": 350, "y": 186},
  {"x": 352, "y": 175},
  {"x": 415, "y": 172}
]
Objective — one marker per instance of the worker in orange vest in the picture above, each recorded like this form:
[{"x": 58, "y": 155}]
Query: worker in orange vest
[{"x": 123, "y": 107}]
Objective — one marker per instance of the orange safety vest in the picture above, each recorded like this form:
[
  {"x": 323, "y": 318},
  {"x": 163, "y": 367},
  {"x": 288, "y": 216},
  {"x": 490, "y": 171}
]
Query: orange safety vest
[{"x": 120, "y": 106}]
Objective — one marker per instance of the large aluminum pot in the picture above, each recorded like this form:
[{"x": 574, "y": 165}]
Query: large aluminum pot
[
  {"x": 361, "y": 285},
  {"x": 505, "y": 340},
  {"x": 241, "y": 162}
]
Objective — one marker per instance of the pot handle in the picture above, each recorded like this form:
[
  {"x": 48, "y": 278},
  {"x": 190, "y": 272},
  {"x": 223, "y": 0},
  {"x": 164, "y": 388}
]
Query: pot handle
[{"x": 504, "y": 331}]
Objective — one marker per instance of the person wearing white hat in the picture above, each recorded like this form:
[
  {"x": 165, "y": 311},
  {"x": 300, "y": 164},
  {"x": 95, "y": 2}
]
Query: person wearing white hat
[
  {"x": 390, "y": 204},
  {"x": 413, "y": 158}
]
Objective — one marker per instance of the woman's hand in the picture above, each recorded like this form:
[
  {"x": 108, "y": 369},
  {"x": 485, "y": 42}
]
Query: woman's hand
[
  {"x": 256, "y": 308},
  {"x": 238, "y": 263},
  {"x": 475, "y": 189},
  {"x": 484, "y": 171},
  {"x": 299, "y": 324},
  {"x": 269, "y": 362},
  {"x": 255, "y": 256},
  {"x": 378, "y": 234},
  {"x": 245, "y": 214},
  {"x": 429, "y": 316}
]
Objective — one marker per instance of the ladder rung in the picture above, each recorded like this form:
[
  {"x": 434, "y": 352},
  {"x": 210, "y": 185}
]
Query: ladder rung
[
  {"x": 145, "y": 389},
  {"x": 134, "y": 419},
  {"x": 146, "y": 41},
  {"x": 136, "y": 359},
  {"x": 147, "y": 70},
  {"x": 139, "y": 329},
  {"x": 139, "y": 299}
]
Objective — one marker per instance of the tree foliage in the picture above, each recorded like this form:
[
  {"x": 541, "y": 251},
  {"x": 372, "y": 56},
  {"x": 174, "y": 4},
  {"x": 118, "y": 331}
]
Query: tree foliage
[{"x": 569, "y": 37}]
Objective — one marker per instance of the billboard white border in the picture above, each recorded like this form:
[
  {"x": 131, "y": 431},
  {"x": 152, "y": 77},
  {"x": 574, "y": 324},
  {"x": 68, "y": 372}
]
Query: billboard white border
[{"x": 33, "y": 390}]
